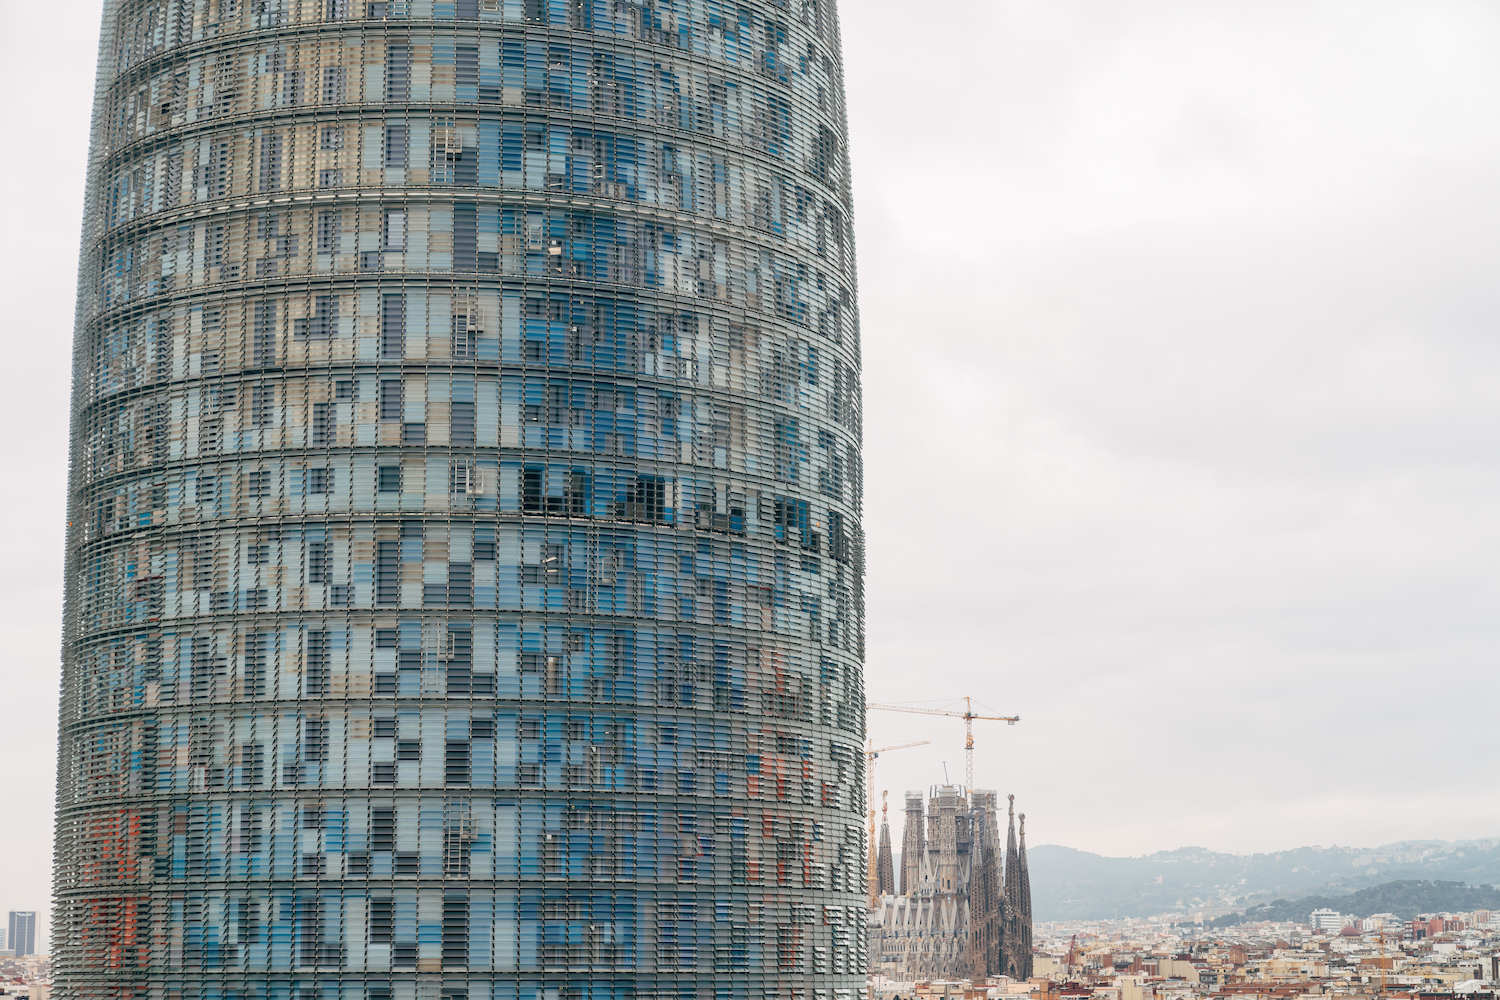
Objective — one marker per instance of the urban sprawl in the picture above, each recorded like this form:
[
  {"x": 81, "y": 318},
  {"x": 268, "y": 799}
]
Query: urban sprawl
[{"x": 1435, "y": 955}]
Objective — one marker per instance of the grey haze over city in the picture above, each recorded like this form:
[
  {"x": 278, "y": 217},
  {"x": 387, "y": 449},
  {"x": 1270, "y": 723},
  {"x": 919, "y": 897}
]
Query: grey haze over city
[{"x": 1181, "y": 411}]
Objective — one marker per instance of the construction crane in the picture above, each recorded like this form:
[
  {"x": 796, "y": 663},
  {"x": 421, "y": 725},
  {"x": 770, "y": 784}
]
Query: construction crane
[
  {"x": 871, "y": 754},
  {"x": 967, "y": 715}
]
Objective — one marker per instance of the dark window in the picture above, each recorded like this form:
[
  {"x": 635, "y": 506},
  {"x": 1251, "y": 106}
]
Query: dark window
[
  {"x": 270, "y": 161},
  {"x": 318, "y": 671},
  {"x": 329, "y": 226},
  {"x": 456, "y": 762},
  {"x": 465, "y": 238},
  {"x": 575, "y": 494},
  {"x": 408, "y": 864},
  {"x": 248, "y": 918},
  {"x": 838, "y": 537},
  {"x": 413, "y": 433},
  {"x": 395, "y": 145},
  {"x": 382, "y": 829},
  {"x": 392, "y": 326},
  {"x": 257, "y": 654},
  {"x": 264, "y": 331},
  {"x": 323, "y": 323},
  {"x": 252, "y": 759},
  {"x": 397, "y": 72},
  {"x": 383, "y": 773},
  {"x": 387, "y": 638},
  {"x": 647, "y": 500},
  {"x": 390, "y": 479},
  {"x": 382, "y": 920},
  {"x": 531, "y": 490},
  {"x": 385, "y": 729},
  {"x": 324, "y": 423},
  {"x": 466, "y": 59},
  {"x": 408, "y": 749},
  {"x": 252, "y": 828},
  {"x": 333, "y": 93},
  {"x": 315, "y": 739},
  {"x": 388, "y": 565},
  {"x": 392, "y": 399},
  {"x": 461, "y": 583},
  {"x": 310, "y": 932},
  {"x": 317, "y": 562},
  {"x": 455, "y": 934},
  {"x": 262, "y": 405},
  {"x": 462, "y": 423}
]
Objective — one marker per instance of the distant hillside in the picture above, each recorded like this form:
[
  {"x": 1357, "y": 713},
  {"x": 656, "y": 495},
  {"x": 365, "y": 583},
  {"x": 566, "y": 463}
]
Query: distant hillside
[
  {"x": 1068, "y": 884},
  {"x": 1406, "y": 899}
]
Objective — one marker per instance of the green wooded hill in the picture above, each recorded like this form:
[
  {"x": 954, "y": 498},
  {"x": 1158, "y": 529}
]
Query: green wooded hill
[
  {"x": 1068, "y": 884},
  {"x": 1407, "y": 899}
]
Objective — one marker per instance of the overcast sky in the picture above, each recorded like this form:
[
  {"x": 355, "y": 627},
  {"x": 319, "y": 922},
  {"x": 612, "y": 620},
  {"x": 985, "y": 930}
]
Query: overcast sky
[{"x": 1182, "y": 409}]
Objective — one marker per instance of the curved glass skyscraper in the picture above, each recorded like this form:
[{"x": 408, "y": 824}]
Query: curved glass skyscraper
[{"x": 464, "y": 572}]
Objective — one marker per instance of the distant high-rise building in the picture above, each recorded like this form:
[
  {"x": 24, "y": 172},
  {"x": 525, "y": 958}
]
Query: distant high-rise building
[
  {"x": 21, "y": 934},
  {"x": 1325, "y": 919},
  {"x": 465, "y": 573}
]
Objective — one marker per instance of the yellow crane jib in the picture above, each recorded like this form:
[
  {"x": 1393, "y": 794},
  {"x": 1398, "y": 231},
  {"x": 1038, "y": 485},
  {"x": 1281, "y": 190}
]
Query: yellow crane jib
[{"x": 968, "y": 715}]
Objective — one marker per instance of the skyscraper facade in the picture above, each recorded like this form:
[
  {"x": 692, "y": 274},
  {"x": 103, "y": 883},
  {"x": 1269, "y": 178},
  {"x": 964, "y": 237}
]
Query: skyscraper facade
[
  {"x": 21, "y": 932},
  {"x": 464, "y": 569}
]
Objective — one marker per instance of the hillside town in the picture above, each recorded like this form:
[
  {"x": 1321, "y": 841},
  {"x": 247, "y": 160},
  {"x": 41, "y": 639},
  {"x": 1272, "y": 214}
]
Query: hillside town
[{"x": 1428, "y": 958}]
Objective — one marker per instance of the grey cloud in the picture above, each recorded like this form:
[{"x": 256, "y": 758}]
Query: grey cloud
[{"x": 1181, "y": 410}]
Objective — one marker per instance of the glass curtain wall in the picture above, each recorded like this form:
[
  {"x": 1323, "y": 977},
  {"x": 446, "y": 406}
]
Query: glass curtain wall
[{"x": 464, "y": 562}]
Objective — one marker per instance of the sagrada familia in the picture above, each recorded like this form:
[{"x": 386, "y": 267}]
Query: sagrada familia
[{"x": 962, "y": 910}]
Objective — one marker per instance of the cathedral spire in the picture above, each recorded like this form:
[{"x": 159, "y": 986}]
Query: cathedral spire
[
  {"x": 885, "y": 870},
  {"x": 913, "y": 845},
  {"x": 1011, "y": 963},
  {"x": 1023, "y": 919}
]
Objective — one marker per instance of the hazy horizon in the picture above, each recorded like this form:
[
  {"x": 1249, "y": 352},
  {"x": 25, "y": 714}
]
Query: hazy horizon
[{"x": 1182, "y": 410}]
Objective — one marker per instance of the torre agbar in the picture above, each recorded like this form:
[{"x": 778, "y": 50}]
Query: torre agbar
[{"x": 464, "y": 568}]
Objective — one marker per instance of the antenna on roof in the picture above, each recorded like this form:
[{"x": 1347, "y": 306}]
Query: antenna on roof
[{"x": 945, "y": 772}]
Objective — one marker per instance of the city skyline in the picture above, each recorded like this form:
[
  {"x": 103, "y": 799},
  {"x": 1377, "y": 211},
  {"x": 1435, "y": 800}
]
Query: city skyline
[{"x": 1296, "y": 498}]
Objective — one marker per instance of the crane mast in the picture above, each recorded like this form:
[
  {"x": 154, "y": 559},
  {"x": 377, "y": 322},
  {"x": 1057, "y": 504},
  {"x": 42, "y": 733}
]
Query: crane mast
[{"x": 967, "y": 715}]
